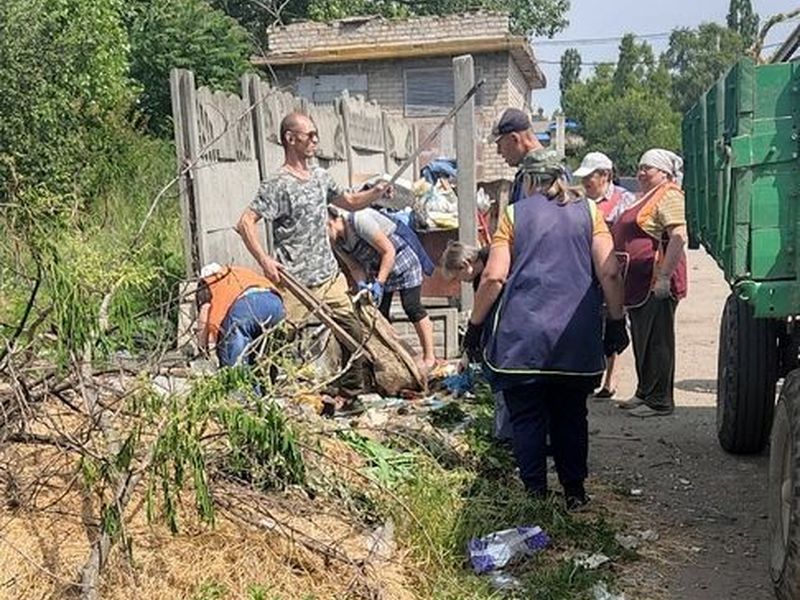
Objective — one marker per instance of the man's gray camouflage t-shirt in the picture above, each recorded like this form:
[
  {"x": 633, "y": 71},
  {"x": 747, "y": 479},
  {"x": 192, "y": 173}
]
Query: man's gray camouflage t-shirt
[{"x": 297, "y": 210}]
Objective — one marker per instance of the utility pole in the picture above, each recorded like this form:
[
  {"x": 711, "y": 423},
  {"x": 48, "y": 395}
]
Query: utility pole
[
  {"x": 561, "y": 136},
  {"x": 464, "y": 80}
]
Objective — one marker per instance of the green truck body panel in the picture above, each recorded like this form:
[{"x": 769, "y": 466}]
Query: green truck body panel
[{"x": 740, "y": 146}]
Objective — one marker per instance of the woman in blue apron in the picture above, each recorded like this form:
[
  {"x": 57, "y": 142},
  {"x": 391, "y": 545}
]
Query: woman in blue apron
[{"x": 551, "y": 264}]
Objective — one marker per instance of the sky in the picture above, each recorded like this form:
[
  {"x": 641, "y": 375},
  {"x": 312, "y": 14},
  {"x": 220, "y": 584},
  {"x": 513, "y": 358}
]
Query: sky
[{"x": 592, "y": 19}]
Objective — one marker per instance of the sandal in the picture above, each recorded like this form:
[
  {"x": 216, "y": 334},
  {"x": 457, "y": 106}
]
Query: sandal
[{"x": 605, "y": 393}]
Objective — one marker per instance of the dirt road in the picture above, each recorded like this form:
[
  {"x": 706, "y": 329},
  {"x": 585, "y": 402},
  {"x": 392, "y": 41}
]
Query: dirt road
[{"x": 684, "y": 486}]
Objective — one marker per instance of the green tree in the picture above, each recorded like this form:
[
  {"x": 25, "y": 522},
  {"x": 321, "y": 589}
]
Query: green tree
[
  {"x": 539, "y": 17},
  {"x": 182, "y": 33},
  {"x": 570, "y": 70},
  {"x": 624, "y": 110},
  {"x": 57, "y": 83},
  {"x": 743, "y": 20},
  {"x": 634, "y": 64},
  {"x": 698, "y": 57}
]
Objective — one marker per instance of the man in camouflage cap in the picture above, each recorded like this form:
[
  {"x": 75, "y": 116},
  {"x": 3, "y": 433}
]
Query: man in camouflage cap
[{"x": 515, "y": 141}]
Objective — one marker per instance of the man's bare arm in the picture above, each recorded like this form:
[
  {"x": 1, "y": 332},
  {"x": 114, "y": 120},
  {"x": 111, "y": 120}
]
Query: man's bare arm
[
  {"x": 358, "y": 200},
  {"x": 248, "y": 230},
  {"x": 492, "y": 280},
  {"x": 607, "y": 269}
]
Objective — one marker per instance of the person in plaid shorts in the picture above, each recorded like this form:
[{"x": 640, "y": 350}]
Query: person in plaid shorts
[{"x": 381, "y": 262}]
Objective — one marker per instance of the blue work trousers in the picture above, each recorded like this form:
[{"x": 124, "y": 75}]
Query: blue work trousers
[
  {"x": 250, "y": 316},
  {"x": 556, "y": 407}
]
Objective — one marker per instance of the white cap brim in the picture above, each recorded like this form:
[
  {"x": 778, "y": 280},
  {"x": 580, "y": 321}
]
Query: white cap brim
[
  {"x": 583, "y": 171},
  {"x": 210, "y": 269}
]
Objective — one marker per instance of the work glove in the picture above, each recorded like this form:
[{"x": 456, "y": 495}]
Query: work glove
[
  {"x": 616, "y": 337},
  {"x": 471, "y": 346},
  {"x": 376, "y": 291},
  {"x": 662, "y": 288}
]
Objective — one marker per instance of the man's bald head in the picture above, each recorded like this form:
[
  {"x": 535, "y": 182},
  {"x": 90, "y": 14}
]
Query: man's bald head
[{"x": 292, "y": 122}]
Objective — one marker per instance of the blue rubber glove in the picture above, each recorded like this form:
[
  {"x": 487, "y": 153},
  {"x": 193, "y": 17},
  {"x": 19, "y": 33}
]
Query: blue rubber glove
[
  {"x": 362, "y": 285},
  {"x": 376, "y": 289}
]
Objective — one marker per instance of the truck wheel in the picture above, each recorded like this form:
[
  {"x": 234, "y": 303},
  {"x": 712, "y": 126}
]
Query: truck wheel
[
  {"x": 784, "y": 492},
  {"x": 746, "y": 377}
]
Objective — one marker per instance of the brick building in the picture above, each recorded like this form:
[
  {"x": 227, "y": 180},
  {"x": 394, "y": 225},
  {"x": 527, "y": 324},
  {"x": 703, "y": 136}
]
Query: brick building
[{"x": 406, "y": 67}]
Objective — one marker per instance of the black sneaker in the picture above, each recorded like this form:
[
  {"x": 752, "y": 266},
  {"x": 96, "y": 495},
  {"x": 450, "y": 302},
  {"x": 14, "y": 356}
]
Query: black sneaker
[
  {"x": 576, "y": 502},
  {"x": 575, "y": 496}
]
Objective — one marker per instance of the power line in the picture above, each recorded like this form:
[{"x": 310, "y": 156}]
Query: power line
[
  {"x": 607, "y": 40},
  {"x": 591, "y": 41}
]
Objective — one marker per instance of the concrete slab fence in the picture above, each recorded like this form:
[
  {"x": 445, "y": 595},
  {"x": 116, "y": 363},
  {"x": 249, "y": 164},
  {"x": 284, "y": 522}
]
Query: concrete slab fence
[{"x": 227, "y": 143}]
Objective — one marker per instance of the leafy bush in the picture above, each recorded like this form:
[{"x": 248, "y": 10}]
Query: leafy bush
[
  {"x": 187, "y": 34},
  {"x": 63, "y": 66}
]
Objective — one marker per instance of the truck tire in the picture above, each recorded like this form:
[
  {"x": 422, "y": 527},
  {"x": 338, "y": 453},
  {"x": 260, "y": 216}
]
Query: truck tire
[
  {"x": 784, "y": 492},
  {"x": 746, "y": 378}
]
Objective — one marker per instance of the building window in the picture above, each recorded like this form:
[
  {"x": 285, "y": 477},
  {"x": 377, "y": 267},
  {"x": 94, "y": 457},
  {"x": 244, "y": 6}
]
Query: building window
[
  {"x": 324, "y": 89},
  {"x": 430, "y": 92}
]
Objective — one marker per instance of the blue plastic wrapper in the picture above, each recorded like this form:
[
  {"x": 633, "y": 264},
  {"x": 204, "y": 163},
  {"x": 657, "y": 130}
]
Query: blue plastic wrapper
[
  {"x": 497, "y": 549},
  {"x": 460, "y": 383}
]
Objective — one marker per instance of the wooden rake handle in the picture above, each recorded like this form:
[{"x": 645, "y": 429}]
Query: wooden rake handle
[{"x": 324, "y": 314}]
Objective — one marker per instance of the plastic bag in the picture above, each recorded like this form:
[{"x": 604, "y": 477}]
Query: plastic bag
[
  {"x": 483, "y": 201},
  {"x": 497, "y": 549}
]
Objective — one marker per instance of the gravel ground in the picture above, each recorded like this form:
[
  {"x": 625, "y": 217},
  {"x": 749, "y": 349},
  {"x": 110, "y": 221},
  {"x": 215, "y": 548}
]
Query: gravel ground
[{"x": 684, "y": 485}]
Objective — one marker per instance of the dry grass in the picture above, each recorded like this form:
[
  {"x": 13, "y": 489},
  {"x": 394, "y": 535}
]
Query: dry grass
[{"x": 287, "y": 544}]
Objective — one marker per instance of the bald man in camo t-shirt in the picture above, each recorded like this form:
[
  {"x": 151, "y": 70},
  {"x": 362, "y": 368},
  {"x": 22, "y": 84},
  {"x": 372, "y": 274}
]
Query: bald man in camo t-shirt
[{"x": 294, "y": 201}]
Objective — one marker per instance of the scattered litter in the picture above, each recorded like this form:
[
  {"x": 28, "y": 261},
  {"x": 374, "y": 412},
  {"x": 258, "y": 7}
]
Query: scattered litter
[
  {"x": 629, "y": 542},
  {"x": 684, "y": 481},
  {"x": 380, "y": 542},
  {"x": 315, "y": 401},
  {"x": 600, "y": 592},
  {"x": 268, "y": 523},
  {"x": 433, "y": 403},
  {"x": 442, "y": 370},
  {"x": 648, "y": 535},
  {"x": 459, "y": 383},
  {"x": 497, "y": 549},
  {"x": 635, "y": 539},
  {"x": 590, "y": 561},
  {"x": 636, "y": 492},
  {"x": 504, "y": 581},
  {"x": 376, "y": 401},
  {"x": 483, "y": 201},
  {"x": 374, "y": 418},
  {"x": 371, "y": 399},
  {"x": 441, "y": 167},
  {"x": 437, "y": 204}
]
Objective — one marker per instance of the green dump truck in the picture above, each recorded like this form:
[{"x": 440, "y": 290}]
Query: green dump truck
[{"x": 741, "y": 143}]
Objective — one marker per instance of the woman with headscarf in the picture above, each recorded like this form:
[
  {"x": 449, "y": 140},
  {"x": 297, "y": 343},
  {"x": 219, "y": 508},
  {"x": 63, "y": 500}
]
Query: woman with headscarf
[
  {"x": 651, "y": 236},
  {"x": 544, "y": 341},
  {"x": 597, "y": 176}
]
